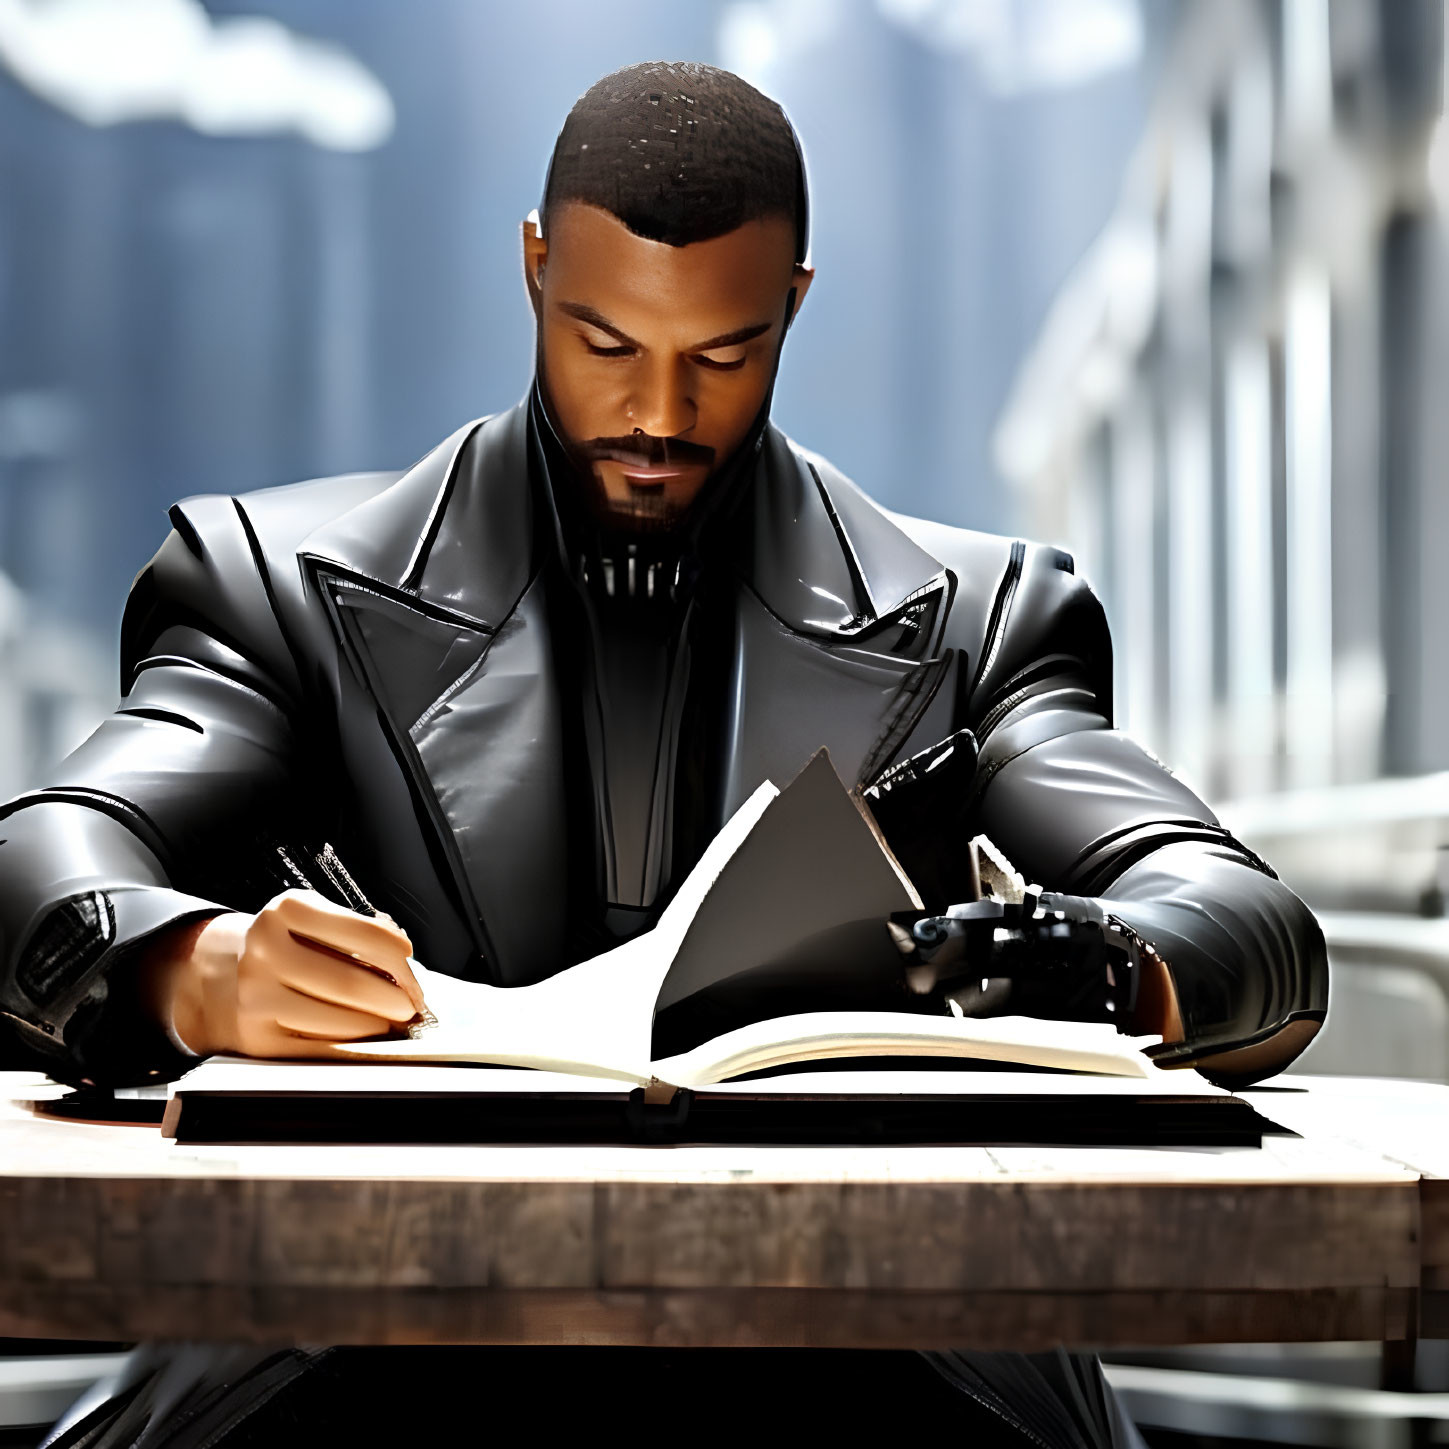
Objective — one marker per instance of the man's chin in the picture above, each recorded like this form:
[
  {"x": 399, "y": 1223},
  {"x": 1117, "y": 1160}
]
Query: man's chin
[
  {"x": 637, "y": 518},
  {"x": 642, "y": 510}
]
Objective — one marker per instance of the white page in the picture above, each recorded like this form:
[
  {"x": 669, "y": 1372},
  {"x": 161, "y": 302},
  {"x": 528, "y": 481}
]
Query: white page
[
  {"x": 1087, "y": 1046},
  {"x": 598, "y": 1015}
]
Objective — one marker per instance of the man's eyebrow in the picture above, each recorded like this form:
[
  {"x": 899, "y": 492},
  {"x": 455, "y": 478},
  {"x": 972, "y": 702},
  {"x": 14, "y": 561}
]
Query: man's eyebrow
[
  {"x": 733, "y": 339},
  {"x": 595, "y": 318}
]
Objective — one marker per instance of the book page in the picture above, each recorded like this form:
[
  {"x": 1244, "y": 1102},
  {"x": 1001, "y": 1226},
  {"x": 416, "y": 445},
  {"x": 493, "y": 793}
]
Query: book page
[
  {"x": 595, "y": 1017},
  {"x": 1083, "y": 1046},
  {"x": 1078, "y": 1046},
  {"x": 799, "y": 911},
  {"x": 245, "y": 1075}
]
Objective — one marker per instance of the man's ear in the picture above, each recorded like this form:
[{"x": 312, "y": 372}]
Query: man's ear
[
  {"x": 535, "y": 253},
  {"x": 799, "y": 285}
]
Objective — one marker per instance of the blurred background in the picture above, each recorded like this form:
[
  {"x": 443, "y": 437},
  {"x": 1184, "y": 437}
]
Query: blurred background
[
  {"x": 1165, "y": 282},
  {"x": 247, "y": 243}
]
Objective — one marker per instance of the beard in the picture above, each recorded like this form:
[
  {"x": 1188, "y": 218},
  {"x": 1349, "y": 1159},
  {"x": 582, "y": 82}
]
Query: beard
[
  {"x": 642, "y": 507},
  {"x": 646, "y": 508}
]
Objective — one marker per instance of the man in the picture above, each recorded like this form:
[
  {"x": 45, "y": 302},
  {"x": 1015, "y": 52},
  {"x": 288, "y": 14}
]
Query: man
[{"x": 521, "y": 685}]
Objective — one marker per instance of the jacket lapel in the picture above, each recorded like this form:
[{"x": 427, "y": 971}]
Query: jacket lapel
[
  {"x": 434, "y": 593},
  {"x": 838, "y": 627}
]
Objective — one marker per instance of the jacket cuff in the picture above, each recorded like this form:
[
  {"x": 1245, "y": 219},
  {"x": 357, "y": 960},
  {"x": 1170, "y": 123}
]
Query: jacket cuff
[
  {"x": 85, "y": 1021},
  {"x": 1245, "y": 954}
]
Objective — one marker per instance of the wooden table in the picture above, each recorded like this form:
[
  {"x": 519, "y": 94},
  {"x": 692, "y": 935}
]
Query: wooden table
[{"x": 112, "y": 1232}]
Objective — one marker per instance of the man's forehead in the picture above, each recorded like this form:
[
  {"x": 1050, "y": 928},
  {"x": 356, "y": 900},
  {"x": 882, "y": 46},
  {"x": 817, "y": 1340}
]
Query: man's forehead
[{"x": 591, "y": 251}]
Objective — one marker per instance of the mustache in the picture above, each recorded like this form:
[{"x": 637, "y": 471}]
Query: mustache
[{"x": 645, "y": 451}]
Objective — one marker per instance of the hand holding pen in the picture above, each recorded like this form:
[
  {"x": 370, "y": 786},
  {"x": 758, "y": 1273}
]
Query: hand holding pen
[{"x": 298, "y": 978}]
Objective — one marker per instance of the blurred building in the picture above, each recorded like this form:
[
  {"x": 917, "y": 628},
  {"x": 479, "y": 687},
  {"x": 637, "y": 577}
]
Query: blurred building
[
  {"x": 1235, "y": 413},
  {"x": 1237, "y": 416}
]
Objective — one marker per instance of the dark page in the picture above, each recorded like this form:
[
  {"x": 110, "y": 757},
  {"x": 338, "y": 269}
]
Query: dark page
[{"x": 795, "y": 922}]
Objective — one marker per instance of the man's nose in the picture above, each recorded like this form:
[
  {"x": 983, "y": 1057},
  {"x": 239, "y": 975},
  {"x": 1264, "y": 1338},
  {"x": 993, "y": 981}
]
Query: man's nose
[{"x": 661, "y": 402}]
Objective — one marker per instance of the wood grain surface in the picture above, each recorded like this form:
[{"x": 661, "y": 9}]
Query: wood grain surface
[{"x": 112, "y": 1233}]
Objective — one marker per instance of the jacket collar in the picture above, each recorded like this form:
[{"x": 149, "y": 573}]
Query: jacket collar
[
  {"x": 455, "y": 534},
  {"x": 462, "y": 532},
  {"x": 822, "y": 557}
]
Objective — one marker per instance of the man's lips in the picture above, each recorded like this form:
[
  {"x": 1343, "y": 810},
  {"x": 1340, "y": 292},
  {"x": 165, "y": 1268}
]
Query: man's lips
[
  {"x": 649, "y": 475},
  {"x": 652, "y": 465}
]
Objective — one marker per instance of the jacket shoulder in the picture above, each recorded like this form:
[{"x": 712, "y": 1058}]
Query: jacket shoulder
[
  {"x": 214, "y": 573},
  {"x": 1021, "y": 610},
  {"x": 1013, "y": 602},
  {"x": 973, "y": 552},
  {"x": 276, "y": 519}
]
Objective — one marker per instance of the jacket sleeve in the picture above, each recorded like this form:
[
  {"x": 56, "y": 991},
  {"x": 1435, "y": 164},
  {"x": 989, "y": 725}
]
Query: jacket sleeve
[
  {"x": 1079, "y": 807},
  {"x": 141, "y": 828}
]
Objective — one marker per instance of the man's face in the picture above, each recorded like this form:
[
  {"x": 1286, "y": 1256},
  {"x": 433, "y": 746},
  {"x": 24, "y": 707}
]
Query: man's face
[{"x": 656, "y": 359}]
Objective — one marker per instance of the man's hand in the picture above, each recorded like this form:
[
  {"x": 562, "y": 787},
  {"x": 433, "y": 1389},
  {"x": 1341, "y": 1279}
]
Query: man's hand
[
  {"x": 1048, "y": 955},
  {"x": 291, "y": 981}
]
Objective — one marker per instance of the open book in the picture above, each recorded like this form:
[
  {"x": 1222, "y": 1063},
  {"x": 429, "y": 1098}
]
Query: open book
[{"x": 787, "y": 908}]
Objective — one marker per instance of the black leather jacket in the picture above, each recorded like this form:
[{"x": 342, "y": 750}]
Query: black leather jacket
[{"x": 368, "y": 659}]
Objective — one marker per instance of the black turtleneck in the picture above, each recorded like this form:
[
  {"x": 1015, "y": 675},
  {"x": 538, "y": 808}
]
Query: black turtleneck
[{"x": 644, "y": 636}]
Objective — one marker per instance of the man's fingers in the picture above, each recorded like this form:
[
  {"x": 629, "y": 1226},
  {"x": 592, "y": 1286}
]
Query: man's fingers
[
  {"x": 299, "y": 930},
  {"x": 305, "y": 913},
  {"x": 305, "y": 1016},
  {"x": 394, "y": 970},
  {"x": 328, "y": 975}
]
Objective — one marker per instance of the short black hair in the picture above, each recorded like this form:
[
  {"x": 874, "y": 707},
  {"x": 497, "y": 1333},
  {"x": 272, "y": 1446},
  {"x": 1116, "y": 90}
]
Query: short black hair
[{"x": 680, "y": 152}]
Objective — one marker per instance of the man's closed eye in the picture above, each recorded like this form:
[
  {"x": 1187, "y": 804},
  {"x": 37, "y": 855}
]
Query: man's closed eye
[{"x": 726, "y": 360}]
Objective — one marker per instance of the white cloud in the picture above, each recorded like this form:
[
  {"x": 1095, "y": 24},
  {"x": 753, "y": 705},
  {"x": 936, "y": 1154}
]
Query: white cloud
[{"x": 111, "y": 61}]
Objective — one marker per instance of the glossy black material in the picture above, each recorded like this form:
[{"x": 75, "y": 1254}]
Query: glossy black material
[
  {"x": 1050, "y": 956},
  {"x": 373, "y": 661}
]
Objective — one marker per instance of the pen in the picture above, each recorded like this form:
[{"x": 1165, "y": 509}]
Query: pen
[
  {"x": 337, "y": 874},
  {"x": 341, "y": 880}
]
